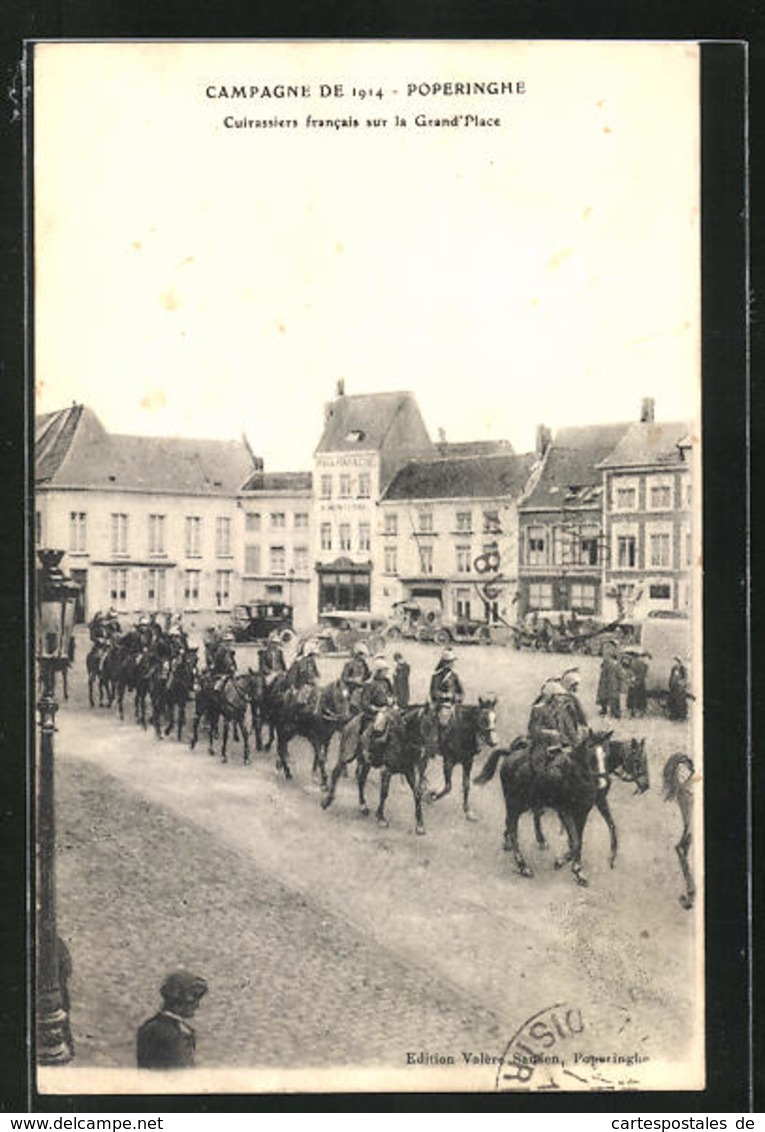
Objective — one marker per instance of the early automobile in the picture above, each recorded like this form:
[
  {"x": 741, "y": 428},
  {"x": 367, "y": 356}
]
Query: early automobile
[
  {"x": 339, "y": 631},
  {"x": 255, "y": 622},
  {"x": 426, "y": 622}
]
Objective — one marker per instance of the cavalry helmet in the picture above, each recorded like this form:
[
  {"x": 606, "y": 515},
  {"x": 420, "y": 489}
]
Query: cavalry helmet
[
  {"x": 570, "y": 679},
  {"x": 448, "y": 655},
  {"x": 361, "y": 649},
  {"x": 380, "y": 662},
  {"x": 311, "y": 649},
  {"x": 274, "y": 636}
]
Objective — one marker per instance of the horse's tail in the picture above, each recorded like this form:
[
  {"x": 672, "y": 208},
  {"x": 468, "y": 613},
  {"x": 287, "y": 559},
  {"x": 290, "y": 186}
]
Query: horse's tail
[
  {"x": 671, "y": 767},
  {"x": 490, "y": 766}
]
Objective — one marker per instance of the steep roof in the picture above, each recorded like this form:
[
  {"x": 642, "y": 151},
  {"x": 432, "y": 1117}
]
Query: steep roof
[
  {"x": 72, "y": 449},
  {"x": 279, "y": 481},
  {"x": 648, "y": 444},
  {"x": 465, "y": 477},
  {"x": 572, "y": 461},
  {"x": 360, "y": 423}
]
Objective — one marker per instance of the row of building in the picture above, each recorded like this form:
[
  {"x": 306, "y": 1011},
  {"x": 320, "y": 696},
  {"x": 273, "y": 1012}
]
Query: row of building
[{"x": 596, "y": 520}]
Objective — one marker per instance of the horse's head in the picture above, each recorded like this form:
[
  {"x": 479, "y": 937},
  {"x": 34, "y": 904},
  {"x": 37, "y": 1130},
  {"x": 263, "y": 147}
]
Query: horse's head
[
  {"x": 594, "y": 748},
  {"x": 635, "y": 765},
  {"x": 487, "y": 720}
]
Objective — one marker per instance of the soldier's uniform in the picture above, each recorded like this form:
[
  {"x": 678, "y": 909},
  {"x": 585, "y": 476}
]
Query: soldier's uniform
[
  {"x": 272, "y": 662},
  {"x": 303, "y": 676},
  {"x": 355, "y": 675},
  {"x": 224, "y": 663},
  {"x": 377, "y": 699},
  {"x": 168, "y": 1041},
  {"x": 446, "y": 689}
]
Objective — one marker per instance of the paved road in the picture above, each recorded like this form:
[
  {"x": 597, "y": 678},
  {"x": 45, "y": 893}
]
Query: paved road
[{"x": 329, "y": 941}]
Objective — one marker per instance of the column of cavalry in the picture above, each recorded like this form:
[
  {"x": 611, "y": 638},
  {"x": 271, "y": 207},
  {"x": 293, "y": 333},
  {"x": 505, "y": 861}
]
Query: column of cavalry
[{"x": 561, "y": 764}]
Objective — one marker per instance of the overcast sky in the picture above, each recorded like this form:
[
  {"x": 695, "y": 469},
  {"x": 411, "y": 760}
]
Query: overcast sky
[{"x": 198, "y": 280}]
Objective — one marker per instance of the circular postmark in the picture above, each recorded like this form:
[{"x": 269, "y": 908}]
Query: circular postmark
[{"x": 552, "y": 1051}]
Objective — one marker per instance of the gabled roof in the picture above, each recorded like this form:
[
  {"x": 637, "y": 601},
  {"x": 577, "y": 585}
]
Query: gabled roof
[
  {"x": 72, "y": 449},
  {"x": 648, "y": 444},
  {"x": 474, "y": 448},
  {"x": 360, "y": 423},
  {"x": 465, "y": 477},
  {"x": 571, "y": 462},
  {"x": 279, "y": 481}
]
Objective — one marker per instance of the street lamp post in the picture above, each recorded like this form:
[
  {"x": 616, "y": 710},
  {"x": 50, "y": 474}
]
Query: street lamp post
[{"x": 55, "y": 597}]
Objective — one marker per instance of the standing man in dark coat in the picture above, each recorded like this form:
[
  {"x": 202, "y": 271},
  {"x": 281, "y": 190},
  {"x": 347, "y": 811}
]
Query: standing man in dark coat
[
  {"x": 167, "y": 1041},
  {"x": 610, "y": 682},
  {"x": 401, "y": 680},
  {"x": 637, "y": 694}
]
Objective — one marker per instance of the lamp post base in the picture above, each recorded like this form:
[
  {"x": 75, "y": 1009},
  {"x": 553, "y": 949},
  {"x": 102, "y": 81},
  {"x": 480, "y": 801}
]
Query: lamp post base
[{"x": 54, "y": 1041}]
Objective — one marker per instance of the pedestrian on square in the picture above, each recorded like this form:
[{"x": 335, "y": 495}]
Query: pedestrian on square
[
  {"x": 611, "y": 681},
  {"x": 401, "y": 680},
  {"x": 168, "y": 1041}
]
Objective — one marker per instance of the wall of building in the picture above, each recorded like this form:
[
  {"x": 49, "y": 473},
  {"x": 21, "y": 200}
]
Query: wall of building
[
  {"x": 276, "y": 552},
  {"x": 561, "y": 561},
  {"x": 346, "y": 487}
]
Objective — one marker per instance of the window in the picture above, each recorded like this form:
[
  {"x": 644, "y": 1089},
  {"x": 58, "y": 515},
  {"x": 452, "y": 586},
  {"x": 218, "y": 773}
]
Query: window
[
  {"x": 326, "y": 487},
  {"x": 462, "y": 603},
  {"x": 491, "y": 524},
  {"x": 365, "y": 485},
  {"x": 583, "y": 597},
  {"x": 193, "y": 531},
  {"x": 345, "y": 536},
  {"x": 626, "y": 498},
  {"x": 659, "y": 550},
  {"x": 463, "y": 559},
  {"x": 301, "y": 560},
  {"x": 426, "y": 559},
  {"x": 119, "y": 534},
  {"x": 688, "y": 549},
  {"x": 391, "y": 559},
  {"x": 588, "y": 550},
  {"x": 118, "y": 583},
  {"x": 222, "y": 589},
  {"x": 325, "y": 535},
  {"x": 155, "y": 588},
  {"x": 301, "y": 519},
  {"x": 222, "y": 537},
  {"x": 38, "y": 528},
  {"x": 252, "y": 560},
  {"x": 278, "y": 519},
  {"x": 391, "y": 523},
  {"x": 465, "y": 521},
  {"x": 688, "y": 494},
  {"x": 77, "y": 531},
  {"x": 626, "y": 552},
  {"x": 661, "y": 497},
  {"x": 345, "y": 486},
  {"x": 191, "y": 588},
  {"x": 364, "y": 536},
  {"x": 278, "y": 559},
  {"x": 659, "y": 593},
  {"x": 252, "y": 522},
  {"x": 540, "y": 595},
  {"x": 535, "y": 546},
  {"x": 156, "y": 534},
  {"x": 425, "y": 520}
]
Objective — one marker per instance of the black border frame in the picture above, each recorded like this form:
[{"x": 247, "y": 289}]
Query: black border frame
[{"x": 728, "y": 434}]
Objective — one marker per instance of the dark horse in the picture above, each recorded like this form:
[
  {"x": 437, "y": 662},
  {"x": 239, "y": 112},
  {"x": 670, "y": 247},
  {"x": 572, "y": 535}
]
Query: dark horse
[
  {"x": 263, "y": 709},
  {"x": 94, "y": 664},
  {"x": 458, "y": 740},
  {"x": 180, "y": 688},
  {"x": 678, "y": 782},
  {"x": 396, "y": 746},
  {"x": 571, "y": 784},
  {"x": 625, "y": 760},
  {"x": 317, "y": 719},
  {"x": 230, "y": 703}
]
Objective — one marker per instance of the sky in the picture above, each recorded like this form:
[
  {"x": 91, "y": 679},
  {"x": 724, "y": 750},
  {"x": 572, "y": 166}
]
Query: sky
[{"x": 199, "y": 280}]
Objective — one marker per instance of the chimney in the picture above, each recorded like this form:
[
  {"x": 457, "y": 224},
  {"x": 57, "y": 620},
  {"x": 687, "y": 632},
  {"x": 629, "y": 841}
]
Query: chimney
[
  {"x": 341, "y": 387},
  {"x": 544, "y": 436},
  {"x": 647, "y": 410}
]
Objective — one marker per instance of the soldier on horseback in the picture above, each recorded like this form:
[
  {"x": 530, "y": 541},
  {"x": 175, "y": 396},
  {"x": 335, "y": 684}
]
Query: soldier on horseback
[
  {"x": 446, "y": 689},
  {"x": 303, "y": 676},
  {"x": 224, "y": 661},
  {"x": 557, "y": 722},
  {"x": 271, "y": 659},
  {"x": 356, "y": 675},
  {"x": 378, "y": 698}
]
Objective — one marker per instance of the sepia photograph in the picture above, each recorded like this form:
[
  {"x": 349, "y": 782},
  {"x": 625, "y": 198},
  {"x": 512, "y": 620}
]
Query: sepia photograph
[{"x": 368, "y": 567}]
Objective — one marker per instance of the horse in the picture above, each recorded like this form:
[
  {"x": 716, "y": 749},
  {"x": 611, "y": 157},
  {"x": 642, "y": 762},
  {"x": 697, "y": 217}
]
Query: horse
[
  {"x": 396, "y": 746},
  {"x": 94, "y": 664},
  {"x": 678, "y": 780},
  {"x": 121, "y": 667},
  {"x": 458, "y": 740},
  {"x": 145, "y": 671},
  {"x": 262, "y": 710},
  {"x": 229, "y": 702},
  {"x": 180, "y": 687},
  {"x": 625, "y": 760},
  {"x": 159, "y": 684},
  {"x": 326, "y": 711},
  {"x": 571, "y": 784}
]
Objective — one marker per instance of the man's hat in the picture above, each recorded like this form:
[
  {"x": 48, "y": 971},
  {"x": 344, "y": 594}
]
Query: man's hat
[
  {"x": 448, "y": 655},
  {"x": 182, "y": 984}
]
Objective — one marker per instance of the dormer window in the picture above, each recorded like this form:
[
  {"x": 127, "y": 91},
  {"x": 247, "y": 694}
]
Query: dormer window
[{"x": 355, "y": 436}]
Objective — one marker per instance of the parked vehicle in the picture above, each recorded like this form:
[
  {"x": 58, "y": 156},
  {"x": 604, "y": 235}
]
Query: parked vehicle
[
  {"x": 416, "y": 622},
  {"x": 341, "y": 630},
  {"x": 664, "y": 636},
  {"x": 257, "y": 621}
]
